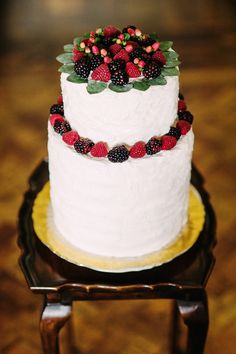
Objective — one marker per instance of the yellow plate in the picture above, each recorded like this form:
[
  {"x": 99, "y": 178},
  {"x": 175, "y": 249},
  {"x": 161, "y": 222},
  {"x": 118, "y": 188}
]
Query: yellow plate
[{"x": 47, "y": 233}]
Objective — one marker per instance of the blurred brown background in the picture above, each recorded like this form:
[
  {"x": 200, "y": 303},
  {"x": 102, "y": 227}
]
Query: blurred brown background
[{"x": 32, "y": 34}]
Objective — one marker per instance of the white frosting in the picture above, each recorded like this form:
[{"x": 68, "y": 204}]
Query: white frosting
[
  {"x": 126, "y": 209},
  {"x": 118, "y": 118}
]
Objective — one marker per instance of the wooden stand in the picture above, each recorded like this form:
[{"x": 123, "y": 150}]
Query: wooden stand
[{"x": 61, "y": 282}]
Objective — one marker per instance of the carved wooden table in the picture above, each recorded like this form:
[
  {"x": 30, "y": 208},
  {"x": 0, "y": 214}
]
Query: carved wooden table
[{"x": 183, "y": 279}]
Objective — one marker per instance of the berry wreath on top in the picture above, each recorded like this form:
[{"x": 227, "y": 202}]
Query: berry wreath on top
[
  {"x": 119, "y": 60},
  {"x": 122, "y": 152}
]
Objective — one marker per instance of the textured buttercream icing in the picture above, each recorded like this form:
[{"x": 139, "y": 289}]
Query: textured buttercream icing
[{"x": 120, "y": 210}]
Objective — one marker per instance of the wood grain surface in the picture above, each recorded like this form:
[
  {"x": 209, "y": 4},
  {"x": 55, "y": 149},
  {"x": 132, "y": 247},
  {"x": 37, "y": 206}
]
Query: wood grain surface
[{"x": 32, "y": 34}]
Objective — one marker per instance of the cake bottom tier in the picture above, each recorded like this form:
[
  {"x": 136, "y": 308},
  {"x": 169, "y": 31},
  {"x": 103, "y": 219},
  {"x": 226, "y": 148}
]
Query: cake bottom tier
[{"x": 119, "y": 210}]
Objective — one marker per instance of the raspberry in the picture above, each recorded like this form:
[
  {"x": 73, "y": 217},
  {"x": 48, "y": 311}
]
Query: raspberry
[
  {"x": 118, "y": 154},
  {"x": 70, "y": 137},
  {"x": 111, "y": 31},
  {"x": 174, "y": 131},
  {"x": 184, "y": 126},
  {"x": 181, "y": 105},
  {"x": 99, "y": 150},
  {"x": 61, "y": 127},
  {"x": 152, "y": 70},
  {"x": 168, "y": 142},
  {"x": 122, "y": 54},
  {"x": 137, "y": 150},
  {"x": 55, "y": 118},
  {"x": 120, "y": 78},
  {"x": 57, "y": 108},
  {"x": 115, "y": 48},
  {"x": 158, "y": 55},
  {"x": 83, "y": 145},
  {"x": 134, "y": 44},
  {"x": 116, "y": 65},
  {"x": 132, "y": 70},
  {"x": 185, "y": 115},
  {"x": 82, "y": 68},
  {"x": 95, "y": 61},
  {"x": 77, "y": 55},
  {"x": 60, "y": 100},
  {"x": 153, "y": 146},
  {"x": 101, "y": 73}
]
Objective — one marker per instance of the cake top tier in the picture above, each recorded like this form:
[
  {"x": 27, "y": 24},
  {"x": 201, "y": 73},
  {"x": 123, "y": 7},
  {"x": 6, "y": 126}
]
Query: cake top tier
[{"x": 120, "y": 60}]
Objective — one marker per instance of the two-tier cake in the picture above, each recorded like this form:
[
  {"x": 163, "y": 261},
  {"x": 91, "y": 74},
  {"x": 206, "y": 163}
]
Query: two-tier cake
[{"x": 120, "y": 144}]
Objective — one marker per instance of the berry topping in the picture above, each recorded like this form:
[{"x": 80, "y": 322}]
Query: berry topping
[
  {"x": 137, "y": 150},
  {"x": 185, "y": 115},
  {"x": 99, "y": 150},
  {"x": 83, "y": 146},
  {"x": 120, "y": 78},
  {"x": 96, "y": 61},
  {"x": 57, "y": 109},
  {"x": 153, "y": 146},
  {"x": 168, "y": 142},
  {"x": 70, "y": 137},
  {"x": 82, "y": 68},
  {"x": 60, "y": 100},
  {"x": 181, "y": 105},
  {"x": 118, "y": 154},
  {"x": 77, "y": 55},
  {"x": 101, "y": 73},
  {"x": 152, "y": 70},
  {"x": 61, "y": 127},
  {"x": 137, "y": 53},
  {"x": 111, "y": 31},
  {"x": 116, "y": 65},
  {"x": 115, "y": 48},
  {"x": 174, "y": 131},
  {"x": 148, "y": 41},
  {"x": 181, "y": 97},
  {"x": 158, "y": 55},
  {"x": 132, "y": 70},
  {"x": 55, "y": 118},
  {"x": 122, "y": 54},
  {"x": 184, "y": 126}
]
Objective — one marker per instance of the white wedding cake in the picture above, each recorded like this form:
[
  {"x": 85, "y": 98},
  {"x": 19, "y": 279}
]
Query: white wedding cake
[{"x": 120, "y": 145}]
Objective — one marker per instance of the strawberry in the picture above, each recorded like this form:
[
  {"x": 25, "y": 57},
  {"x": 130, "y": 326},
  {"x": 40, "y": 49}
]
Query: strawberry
[
  {"x": 122, "y": 54},
  {"x": 168, "y": 142},
  {"x": 158, "y": 55},
  {"x": 182, "y": 105},
  {"x": 183, "y": 126},
  {"x": 132, "y": 70},
  {"x": 55, "y": 118},
  {"x": 70, "y": 137},
  {"x": 101, "y": 73},
  {"x": 137, "y": 150},
  {"x": 77, "y": 55},
  {"x": 115, "y": 48},
  {"x": 99, "y": 150},
  {"x": 111, "y": 31},
  {"x": 60, "y": 99}
]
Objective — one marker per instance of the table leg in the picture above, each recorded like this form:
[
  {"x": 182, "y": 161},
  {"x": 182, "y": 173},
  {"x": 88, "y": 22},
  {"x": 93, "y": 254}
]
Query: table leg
[
  {"x": 195, "y": 316},
  {"x": 54, "y": 317}
]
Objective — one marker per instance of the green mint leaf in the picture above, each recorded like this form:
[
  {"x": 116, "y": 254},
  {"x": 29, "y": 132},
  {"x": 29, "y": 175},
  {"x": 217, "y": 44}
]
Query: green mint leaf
[
  {"x": 65, "y": 58},
  {"x": 170, "y": 71},
  {"x": 165, "y": 45},
  {"x": 154, "y": 36},
  {"x": 160, "y": 80},
  {"x": 172, "y": 63},
  {"x": 67, "y": 68},
  {"x": 141, "y": 85},
  {"x": 171, "y": 55},
  {"x": 78, "y": 40},
  {"x": 76, "y": 79},
  {"x": 117, "y": 88},
  {"x": 96, "y": 86},
  {"x": 68, "y": 48}
]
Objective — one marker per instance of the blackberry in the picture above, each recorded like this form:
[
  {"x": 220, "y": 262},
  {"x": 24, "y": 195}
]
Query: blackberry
[
  {"x": 95, "y": 61},
  {"x": 116, "y": 65},
  {"x": 106, "y": 41},
  {"x": 118, "y": 154},
  {"x": 57, "y": 109},
  {"x": 82, "y": 68},
  {"x": 185, "y": 115},
  {"x": 175, "y": 132},
  {"x": 137, "y": 53},
  {"x": 153, "y": 146},
  {"x": 181, "y": 96},
  {"x": 152, "y": 70},
  {"x": 148, "y": 41},
  {"x": 120, "y": 78},
  {"x": 83, "y": 145},
  {"x": 62, "y": 127}
]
